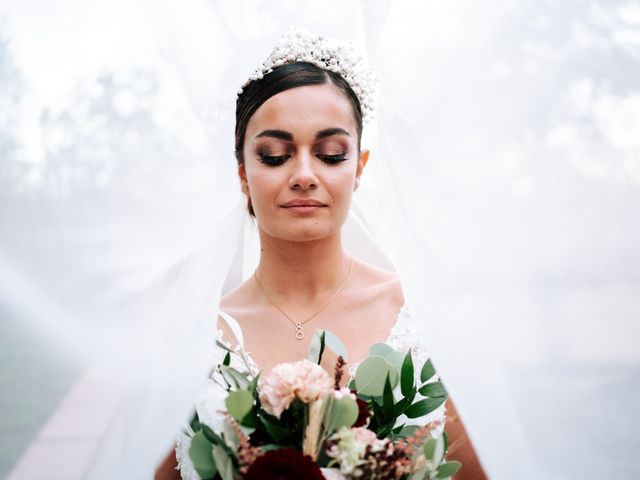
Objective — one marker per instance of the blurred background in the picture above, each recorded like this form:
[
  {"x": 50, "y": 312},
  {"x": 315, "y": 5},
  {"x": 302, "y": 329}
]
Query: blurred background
[{"x": 515, "y": 123}]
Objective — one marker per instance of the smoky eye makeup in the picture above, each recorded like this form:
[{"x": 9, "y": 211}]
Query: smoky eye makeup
[
  {"x": 332, "y": 158},
  {"x": 332, "y": 151},
  {"x": 274, "y": 160}
]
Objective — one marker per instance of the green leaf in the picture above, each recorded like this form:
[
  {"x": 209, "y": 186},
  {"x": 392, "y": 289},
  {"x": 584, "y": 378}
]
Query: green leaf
[
  {"x": 406, "y": 376},
  {"x": 194, "y": 424},
  {"x": 388, "y": 402},
  {"x": 372, "y": 374},
  {"x": 434, "y": 389},
  {"x": 224, "y": 463},
  {"x": 397, "y": 429},
  {"x": 427, "y": 371},
  {"x": 212, "y": 436},
  {"x": 423, "y": 407},
  {"x": 380, "y": 349},
  {"x": 316, "y": 346},
  {"x": 201, "y": 454},
  {"x": 404, "y": 403},
  {"x": 407, "y": 431},
  {"x": 385, "y": 351},
  {"x": 227, "y": 359},
  {"x": 335, "y": 344},
  {"x": 253, "y": 384},
  {"x": 430, "y": 447},
  {"x": 274, "y": 430},
  {"x": 221, "y": 345},
  {"x": 342, "y": 412},
  {"x": 434, "y": 450},
  {"x": 234, "y": 377},
  {"x": 446, "y": 470},
  {"x": 239, "y": 404}
]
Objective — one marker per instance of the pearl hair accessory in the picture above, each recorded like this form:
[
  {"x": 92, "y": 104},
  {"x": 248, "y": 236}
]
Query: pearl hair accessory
[{"x": 297, "y": 45}]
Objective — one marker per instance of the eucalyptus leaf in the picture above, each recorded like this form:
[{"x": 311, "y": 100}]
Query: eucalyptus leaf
[
  {"x": 343, "y": 413},
  {"x": 439, "y": 451},
  {"x": 446, "y": 470},
  {"x": 396, "y": 359},
  {"x": 423, "y": 407},
  {"x": 231, "y": 439},
  {"x": 421, "y": 474},
  {"x": 201, "y": 455},
  {"x": 380, "y": 349},
  {"x": 430, "y": 447},
  {"x": 427, "y": 371},
  {"x": 316, "y": 346},
  {"x": 335, "y": 344},
  {"x": 406, "y": 375},
  {"x": 372, "y": 374},
  {"x": 407, "y": 431},
  {"x": 385, "y": 351},
  {"x": 239, "y": 404},
  {"x": 223, "y": 463}
]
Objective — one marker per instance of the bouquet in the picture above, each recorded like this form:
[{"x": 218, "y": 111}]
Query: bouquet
[{"x": 298, "y": 422}]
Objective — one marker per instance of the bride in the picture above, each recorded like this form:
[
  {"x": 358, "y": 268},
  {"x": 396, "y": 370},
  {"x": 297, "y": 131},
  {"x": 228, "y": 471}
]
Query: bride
[{"x": 298, "y": 147}]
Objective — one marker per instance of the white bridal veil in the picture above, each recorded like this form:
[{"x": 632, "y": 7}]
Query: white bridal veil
[{"x": 503, "y": 186}]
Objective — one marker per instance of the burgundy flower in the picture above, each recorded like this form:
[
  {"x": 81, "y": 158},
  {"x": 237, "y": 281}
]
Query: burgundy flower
[
  {"x": 284, "y": 464},
  {"x": 363, "y": 412}
]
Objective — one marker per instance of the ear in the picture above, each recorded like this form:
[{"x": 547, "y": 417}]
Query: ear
[
  {"x": 242, "y": 174},
  {"x": 362, "y": 161}
]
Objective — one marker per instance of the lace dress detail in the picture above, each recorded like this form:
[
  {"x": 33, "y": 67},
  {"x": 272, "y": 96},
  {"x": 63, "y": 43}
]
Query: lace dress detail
[{"x": 402, "y": 337}]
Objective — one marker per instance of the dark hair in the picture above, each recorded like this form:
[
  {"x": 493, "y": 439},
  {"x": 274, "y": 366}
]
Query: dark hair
[{"x": 286, "y": 77}]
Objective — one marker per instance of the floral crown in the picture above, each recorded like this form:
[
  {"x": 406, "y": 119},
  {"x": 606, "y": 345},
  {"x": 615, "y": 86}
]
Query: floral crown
[{"x": 297, "y": 45}]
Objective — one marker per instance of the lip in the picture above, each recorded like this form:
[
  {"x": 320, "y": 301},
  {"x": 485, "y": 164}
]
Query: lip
[{"x": 303, "y": 203}]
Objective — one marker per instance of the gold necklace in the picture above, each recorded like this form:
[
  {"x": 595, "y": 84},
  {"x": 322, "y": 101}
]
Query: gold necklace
[{"x": 298, "y": 325}]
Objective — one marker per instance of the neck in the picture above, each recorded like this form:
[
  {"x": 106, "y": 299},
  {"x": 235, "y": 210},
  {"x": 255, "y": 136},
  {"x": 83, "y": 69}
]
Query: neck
[{"x": 302, "y": 272}]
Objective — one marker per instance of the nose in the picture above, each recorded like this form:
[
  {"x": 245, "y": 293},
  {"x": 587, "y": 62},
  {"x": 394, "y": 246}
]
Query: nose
[{"x": 303, "y": 175}]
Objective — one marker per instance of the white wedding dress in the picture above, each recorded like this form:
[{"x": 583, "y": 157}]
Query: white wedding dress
[{"x": 402, "y": 337}]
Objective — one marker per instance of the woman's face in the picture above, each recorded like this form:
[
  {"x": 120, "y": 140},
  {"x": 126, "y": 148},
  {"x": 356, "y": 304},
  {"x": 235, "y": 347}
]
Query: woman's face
[{"x": 301, "y": 162}]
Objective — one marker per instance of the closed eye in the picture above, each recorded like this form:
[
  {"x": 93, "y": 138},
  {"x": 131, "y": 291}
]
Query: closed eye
[
  {"x": 340, "y": 157},
  {"x": 273, "y": 160}
]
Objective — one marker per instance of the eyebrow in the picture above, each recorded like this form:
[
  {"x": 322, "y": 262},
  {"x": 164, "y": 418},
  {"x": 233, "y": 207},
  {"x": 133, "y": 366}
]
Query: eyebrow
[{"x": 282, "y": 135}]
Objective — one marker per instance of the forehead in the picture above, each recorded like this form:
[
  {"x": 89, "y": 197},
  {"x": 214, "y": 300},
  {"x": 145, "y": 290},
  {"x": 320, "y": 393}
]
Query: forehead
[{"x": 304, "y": 109}]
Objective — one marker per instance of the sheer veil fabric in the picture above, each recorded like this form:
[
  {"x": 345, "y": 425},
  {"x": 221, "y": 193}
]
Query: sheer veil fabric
[{"x": 503, "y": 187}]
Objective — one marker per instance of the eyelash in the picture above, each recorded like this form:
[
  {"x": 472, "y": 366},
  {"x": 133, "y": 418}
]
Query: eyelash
[{"x": 275, "y": 160}]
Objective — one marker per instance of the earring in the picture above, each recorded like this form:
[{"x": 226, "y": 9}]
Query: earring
[{"x": 245, "y": 189}]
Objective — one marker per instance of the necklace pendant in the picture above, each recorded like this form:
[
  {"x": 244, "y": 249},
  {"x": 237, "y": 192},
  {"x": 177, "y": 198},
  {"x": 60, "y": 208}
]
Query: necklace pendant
[{"x": 299, "y": 333}]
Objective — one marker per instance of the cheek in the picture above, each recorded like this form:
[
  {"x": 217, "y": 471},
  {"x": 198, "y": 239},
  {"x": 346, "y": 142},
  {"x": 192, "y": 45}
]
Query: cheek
[
  {"x": 341, "y": 186},
  {"x": 263, "y": 183}
]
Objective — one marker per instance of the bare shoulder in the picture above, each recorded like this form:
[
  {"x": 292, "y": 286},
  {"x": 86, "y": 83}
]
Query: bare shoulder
[
  {"x": 238, "y": 300},
  {"x": 381, "y": 283}
]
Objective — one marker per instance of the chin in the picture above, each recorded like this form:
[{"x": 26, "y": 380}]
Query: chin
[{"x": 303, "y": 233}]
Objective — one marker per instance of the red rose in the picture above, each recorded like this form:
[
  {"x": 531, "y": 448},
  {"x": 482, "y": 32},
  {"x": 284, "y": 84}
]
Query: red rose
[{"x": 284, "y": 464}]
